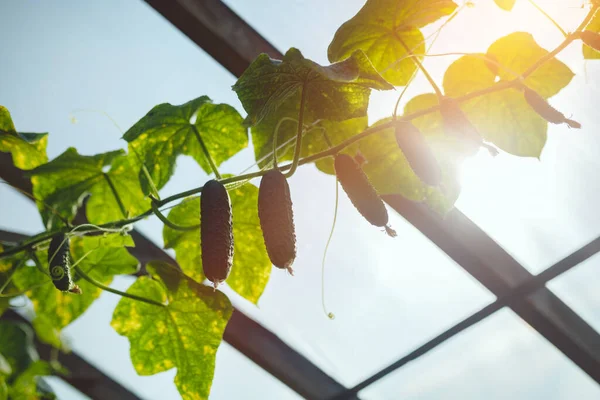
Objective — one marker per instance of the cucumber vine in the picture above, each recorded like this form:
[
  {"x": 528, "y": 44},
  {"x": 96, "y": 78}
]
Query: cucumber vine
[{"x": 298, "y": 112}]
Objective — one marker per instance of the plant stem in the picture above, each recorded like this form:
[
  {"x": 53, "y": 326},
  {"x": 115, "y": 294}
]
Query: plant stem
[
  {"x": 168, "y": 223},
  {"x": 540, "y": 9},
  {"x": 298, "y": 148},
  {"x": 419, "y": 65},
  {"x": 276, "y": 136},
  {"x": 113, "y": 189},
  {"x": 115, "y": 291},
  {"x": 209, "y": 158}
]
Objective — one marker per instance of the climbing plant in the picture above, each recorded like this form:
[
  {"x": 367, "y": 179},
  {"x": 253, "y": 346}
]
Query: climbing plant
[{"x": 229, "y": 232}]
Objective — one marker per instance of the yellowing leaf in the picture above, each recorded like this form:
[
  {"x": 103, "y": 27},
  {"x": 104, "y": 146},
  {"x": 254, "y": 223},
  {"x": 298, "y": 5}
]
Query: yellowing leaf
[
  {"x": 251, "y": 266},
  {"x": 384, "y": 29},
  {"x": 167, "y": 131},
  {"x": 28, "y": 149},
  {"x": 185, "y": 334},
  {"x": 517, "y": 52}
]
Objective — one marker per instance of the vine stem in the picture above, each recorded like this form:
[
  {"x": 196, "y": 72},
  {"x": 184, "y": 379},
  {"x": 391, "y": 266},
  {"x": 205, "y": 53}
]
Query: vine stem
[
  {"x": 113, "y": 189},
  {"x": 323, "y": 154},
  {"x": 329, "y": 315},
  {"x": 115, "y": 291},
  {"x": 540, "y": 9},
  {"x": 209, "y": 158},
  {"x": 275, "y": 136},
  {"x": 298, "y": 148},
  {"x": 420, "y": 65},
  {"x": 168, "y": 223}
]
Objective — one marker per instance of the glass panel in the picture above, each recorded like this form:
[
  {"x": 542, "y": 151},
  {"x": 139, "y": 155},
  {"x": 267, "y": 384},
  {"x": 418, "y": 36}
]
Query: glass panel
[
  {"x": 387, "y": 294},
  {"x": 499, "y": 358},
  {"x": 539, "y": 211},
  {"x": 578, "y": 288},
  {"x": 63, "y": 390}
]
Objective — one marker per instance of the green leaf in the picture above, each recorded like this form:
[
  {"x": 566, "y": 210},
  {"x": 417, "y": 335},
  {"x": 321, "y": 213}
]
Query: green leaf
[
  {"x": 167, "y": 131},
  {"x": 517, "y": 52},
  {"x": 28, "y": 149},
  {"x": 313, "y": 141},
  {"x": 251, "y": 265},
  {"x": 337, "y": 92},
  {"x": 64, "y": 182},
  {"x": 26, "y": 386},
  {"x": 384, "y": 29},
  {"x": 16, "y": 345},
  {"x": 184, "y": 335},
  {"x": 107, "y": 257},
  {"x": 3, "y": 389},
  {"x": 594, "y": 26},
  {"x": 505, "y": 4},
  {"x": 503, "y": 117}
]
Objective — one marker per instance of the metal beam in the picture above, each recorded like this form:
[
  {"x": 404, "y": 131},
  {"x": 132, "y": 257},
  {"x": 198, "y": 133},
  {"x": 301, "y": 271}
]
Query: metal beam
[
  {"x": 247, "y": 336},
  {"x": 516, "y": 295},
  {"x": 499, "y": 272},
  {"x": 218, "y": 30}
]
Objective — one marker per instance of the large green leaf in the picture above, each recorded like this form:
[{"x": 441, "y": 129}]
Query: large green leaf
[
  {"x": 517, "y": 52},
  {"x": 28, "y": 149},
  {"x": 505, "y": 4},
  {"x": 184, "y": 335},
  {"x": 3, "y": 389},
  {"x": 503, "y": 117},
  {"x": 55, "y": 309},
  {"x": 251, "y": 266},
  {"x": 337, "y": 92},
  {"x": 313, "y": 140},
  {"x": 167, "y": 131},
  {"x": 384, "y": 29},
  {"x": 63, "y": 183},
  {"x": 594, "y": 26}
]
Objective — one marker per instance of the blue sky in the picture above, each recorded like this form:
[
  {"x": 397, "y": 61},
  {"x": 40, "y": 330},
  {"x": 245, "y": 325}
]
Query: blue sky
[{"x": 389, "y": 296}]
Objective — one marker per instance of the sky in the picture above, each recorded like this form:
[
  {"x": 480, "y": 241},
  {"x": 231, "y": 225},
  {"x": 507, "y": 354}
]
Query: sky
[{"x": 62, "y": 59}]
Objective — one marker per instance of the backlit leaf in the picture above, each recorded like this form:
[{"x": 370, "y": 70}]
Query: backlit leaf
[
  {"x": 184, "y": 335},
  {"x": 64, "y": 182},
  {"x": 167, "y": 131},
  {"x": 505, "y": 4},
  {"x": 338, "y": 91},
  {"x": 594, "y": 26},
  {"x": 503, "y": 117},
  {"x": 517, "y": 52},
  {"x": 384, "y": 29},
  {"x": 57, "y": 309},
  {"x": 28, "y": 149},
  {"x": 251, "y": 266}
]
